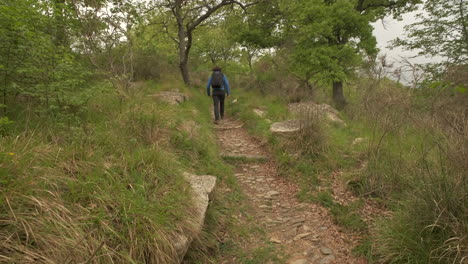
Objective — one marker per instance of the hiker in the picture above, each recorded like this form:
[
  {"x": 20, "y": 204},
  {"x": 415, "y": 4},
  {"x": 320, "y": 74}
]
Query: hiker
[{"x": 220, "y": 85}]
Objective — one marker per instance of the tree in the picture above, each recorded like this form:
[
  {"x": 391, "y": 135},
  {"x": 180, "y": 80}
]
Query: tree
[
  {"x": 107, "y": 39},
  {"x": 188, "y": 16},
  {"x": 330, "y": 37},
  {"x": 36, "y": 63},
  {"x": 440, "y": 31},
  {"x": 257, "y": 30}
]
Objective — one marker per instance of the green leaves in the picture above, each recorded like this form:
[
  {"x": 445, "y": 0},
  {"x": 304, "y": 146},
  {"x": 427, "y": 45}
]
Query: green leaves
[
  {"x": 440, "y": 31},
  {"x": 35, "y": 60},
  {"x": 328, "y": 39}
]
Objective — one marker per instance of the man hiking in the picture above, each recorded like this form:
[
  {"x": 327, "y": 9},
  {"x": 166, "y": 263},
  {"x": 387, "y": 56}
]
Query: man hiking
[{"x": 220, "y": 85}]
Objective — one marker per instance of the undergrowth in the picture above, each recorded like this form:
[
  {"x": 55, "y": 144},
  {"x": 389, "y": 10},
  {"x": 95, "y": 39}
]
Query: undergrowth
[
  {"x": 404, "y": 150},
  {"x": 105, "y": 185}
]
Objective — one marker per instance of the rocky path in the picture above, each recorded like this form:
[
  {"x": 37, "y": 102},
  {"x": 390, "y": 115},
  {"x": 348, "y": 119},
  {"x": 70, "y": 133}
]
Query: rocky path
[{"x": 305, "y": 231}]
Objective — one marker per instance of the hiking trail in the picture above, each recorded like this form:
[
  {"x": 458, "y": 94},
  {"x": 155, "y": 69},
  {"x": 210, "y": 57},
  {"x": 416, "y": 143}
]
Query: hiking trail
[{"x": 305, "y": 231}]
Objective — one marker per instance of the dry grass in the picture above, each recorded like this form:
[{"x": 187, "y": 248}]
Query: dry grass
[
  {"x": 107, "y": 190},
  {"x": 418, "y": 159},
  {"x": 311, "y": 139}
]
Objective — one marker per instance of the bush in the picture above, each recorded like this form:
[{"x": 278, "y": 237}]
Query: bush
[
  {"x": 430, "y": 225},
  {"x": 312, "y": 138},
  {"x": 418, "y": 163},
  {"x": 107, "y": 188}
]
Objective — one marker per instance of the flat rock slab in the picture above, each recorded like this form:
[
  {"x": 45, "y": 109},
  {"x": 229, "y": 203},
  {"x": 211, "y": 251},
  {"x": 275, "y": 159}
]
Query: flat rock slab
[
  {"x": 327, "y": 260},
  {"x": 173, "y": 98},
  {"x": 221, "y": 127},
  {"x": 299, "y": 261},
  {"x": 286, "y": 127},
  {"x": 326, "y": 251},
  {"x": 244, "y": 157},
  {"x": 202, "y": 187}
]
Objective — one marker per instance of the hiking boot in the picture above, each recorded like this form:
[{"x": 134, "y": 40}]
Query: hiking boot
[{"x": 216, "y": 122}]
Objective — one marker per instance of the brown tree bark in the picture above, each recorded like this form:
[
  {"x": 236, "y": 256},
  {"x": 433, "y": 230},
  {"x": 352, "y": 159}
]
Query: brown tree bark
[
  {"x": 185, "y": 29},
  {"x": 338, "y": 95}
]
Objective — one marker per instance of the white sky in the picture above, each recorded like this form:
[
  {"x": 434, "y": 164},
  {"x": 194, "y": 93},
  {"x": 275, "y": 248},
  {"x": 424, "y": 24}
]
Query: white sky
[{"x": 389, "y": 29}]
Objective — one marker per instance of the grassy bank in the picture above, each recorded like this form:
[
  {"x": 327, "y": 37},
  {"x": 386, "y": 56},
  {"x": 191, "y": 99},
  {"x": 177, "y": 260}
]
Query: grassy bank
[
  {"x": 103, "y": 184},
  {"x": 408, "y": 162}
]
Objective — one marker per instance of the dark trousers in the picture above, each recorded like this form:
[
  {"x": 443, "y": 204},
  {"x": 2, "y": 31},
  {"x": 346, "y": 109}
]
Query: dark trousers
[{"x": 218, "y": 103}]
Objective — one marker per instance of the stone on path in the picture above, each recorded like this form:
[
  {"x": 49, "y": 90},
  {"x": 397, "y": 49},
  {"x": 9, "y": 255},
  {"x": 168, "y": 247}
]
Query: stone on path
[
  {"x": 222, "y": 127},
  {"x": 202, "y": 187},
  {"x": 301, "y": 236},
  {"x": 244, "y": 157},
  {"x": 327, "y": 260},
  {"x": 275, "y": 240},
  {"x": 290, "y": 234},
  {"x": 299, "y": 261},
  {"x": 286, "y": 127},
  {"x": 272, "y": 193},
  {"x": 326, "y": 251},
  {"x": 297, "y": 220},
  {"x": 173, "y": 98}
]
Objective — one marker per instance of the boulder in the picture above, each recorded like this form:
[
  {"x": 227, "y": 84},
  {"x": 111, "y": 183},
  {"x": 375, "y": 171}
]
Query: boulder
[
  {"x": 305, "y": 108},
  {"x": 202, "y": 187},
  {"x": 173, "y": 98},
  {"x": 288, "y": 127}
]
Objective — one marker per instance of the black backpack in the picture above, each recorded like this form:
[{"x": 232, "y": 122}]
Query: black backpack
[{"x": 217, "y": 79}]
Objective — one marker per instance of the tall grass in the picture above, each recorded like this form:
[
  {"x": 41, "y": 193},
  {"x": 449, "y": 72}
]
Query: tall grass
[
  {"x": 413, "y": 162},
  {"x": 417, "y": 162},
  {"x": 102, "y": 187}
]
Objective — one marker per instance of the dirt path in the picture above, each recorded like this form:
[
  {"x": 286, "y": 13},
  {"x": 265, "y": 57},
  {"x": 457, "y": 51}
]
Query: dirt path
[{"x": 305, "y": 231}]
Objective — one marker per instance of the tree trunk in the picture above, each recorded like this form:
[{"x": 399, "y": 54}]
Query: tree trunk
[
  {"x": 185, "y": 73},
  {"x": 184, "y": 49},
  {"x": 338, "y": 96}
]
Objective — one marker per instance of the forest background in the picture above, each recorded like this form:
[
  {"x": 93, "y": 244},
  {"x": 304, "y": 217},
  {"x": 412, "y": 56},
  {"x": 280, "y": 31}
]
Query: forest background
[{"x": 67, "y": 66}]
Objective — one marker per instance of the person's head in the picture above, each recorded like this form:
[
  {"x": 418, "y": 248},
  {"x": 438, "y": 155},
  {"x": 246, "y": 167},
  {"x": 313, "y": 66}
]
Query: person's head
[{"x": 216, "y": 68}]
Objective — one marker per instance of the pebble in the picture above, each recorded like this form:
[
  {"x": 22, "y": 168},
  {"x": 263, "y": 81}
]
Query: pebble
[
  {"x": 290, "y": 234},
  {"x": 326, "y": 251},
  {"x": 299, "y": 261},
  {"x": 327, "y": 260},
  {"x": 301, "y": 236},
  {"x": 275, "y": 240},
  {"x": 272, "y": 193},
  {"x": 298, "y": 220}
]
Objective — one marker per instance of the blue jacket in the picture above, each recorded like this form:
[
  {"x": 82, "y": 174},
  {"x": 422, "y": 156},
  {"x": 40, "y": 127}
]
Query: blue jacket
[{"x": 225, "y": 86}]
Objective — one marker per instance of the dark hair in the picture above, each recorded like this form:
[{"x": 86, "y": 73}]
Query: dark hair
[{"x": 216, "y": 68}]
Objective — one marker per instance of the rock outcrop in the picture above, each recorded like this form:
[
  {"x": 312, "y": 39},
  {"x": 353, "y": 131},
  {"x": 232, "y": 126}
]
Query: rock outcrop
[
  {"x": 328, "y": 112},
  {"x": 173, "y": 98},
  {"x": 202, "y": 187},
  {"x": 286, "y": 127},
  {"x": 259, "y": 113}
]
